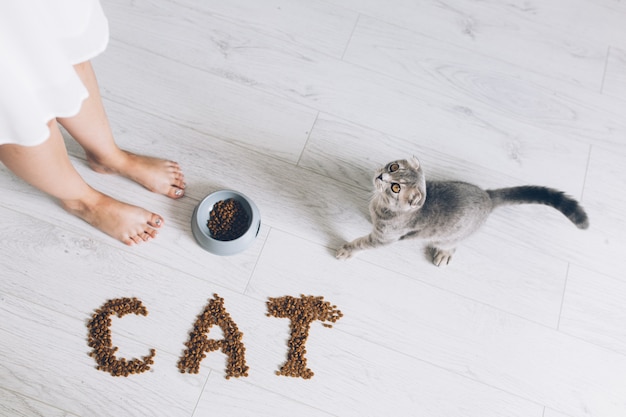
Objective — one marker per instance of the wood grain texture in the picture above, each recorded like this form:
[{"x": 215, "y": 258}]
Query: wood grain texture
[
  {"x": 350, "y": 153},
  {"x": 354, "y": 378},
  {"x": 513, "y": 34},
  {"x": 295, "y": 104},
  {"x": 13, "y": 404},
  {"x": 484, "y": 84},
  {"x": 204, "y": 102},
  {"x": 600, "y": 20},
  {"x": 551, "y": 413},
  {"x": 494, "y": 106},
  {"x": 615, "y": 76},
  {"x": 59, "y": 372},
  {"x": 316, "y": 24},
  {"x": 590, "y": 296},
  {"x": 476, "y": 341}
]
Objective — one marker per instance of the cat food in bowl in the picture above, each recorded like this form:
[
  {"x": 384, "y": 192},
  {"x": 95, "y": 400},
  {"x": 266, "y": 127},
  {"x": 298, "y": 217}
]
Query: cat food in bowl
[{"x": 225, "y": 222}]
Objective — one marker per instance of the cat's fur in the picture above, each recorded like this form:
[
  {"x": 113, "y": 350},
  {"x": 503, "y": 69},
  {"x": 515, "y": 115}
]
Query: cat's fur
[{"x": 442, "y": 213}]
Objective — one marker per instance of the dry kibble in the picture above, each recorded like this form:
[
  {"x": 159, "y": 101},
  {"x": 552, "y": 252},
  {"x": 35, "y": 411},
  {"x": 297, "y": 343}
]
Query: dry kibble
[
  {"x": 100, "y": 338},
  {"x": 228, "y": 220},
  {"x": 301, "y": 312},
  {"x": 198, "y": 343}
]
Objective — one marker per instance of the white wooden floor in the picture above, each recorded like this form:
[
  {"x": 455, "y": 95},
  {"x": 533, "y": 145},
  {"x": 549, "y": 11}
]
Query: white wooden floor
[{"x": 295, "y": 103}]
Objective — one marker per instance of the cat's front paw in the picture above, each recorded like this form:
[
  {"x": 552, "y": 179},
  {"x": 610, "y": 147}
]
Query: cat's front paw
[
  {"x": 442, "y": 257},
  {"x": 344, "y": 253}
]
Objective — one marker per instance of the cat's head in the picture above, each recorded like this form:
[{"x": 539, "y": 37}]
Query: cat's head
[{"x": 401, "y": 184}]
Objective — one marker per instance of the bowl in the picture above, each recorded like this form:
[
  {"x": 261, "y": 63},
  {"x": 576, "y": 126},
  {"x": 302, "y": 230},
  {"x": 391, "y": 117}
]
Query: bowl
[{"x": 202, "y": 214}]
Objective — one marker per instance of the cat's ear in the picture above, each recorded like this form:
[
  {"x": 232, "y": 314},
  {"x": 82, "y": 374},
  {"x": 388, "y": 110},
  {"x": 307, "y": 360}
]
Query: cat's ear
[
  {"x": 415, "y": 199},
  {"x": 414, "y": 162}
]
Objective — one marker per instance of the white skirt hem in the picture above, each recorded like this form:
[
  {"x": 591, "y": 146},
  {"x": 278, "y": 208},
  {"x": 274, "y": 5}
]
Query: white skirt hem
[{"x": 37, "y": 77}]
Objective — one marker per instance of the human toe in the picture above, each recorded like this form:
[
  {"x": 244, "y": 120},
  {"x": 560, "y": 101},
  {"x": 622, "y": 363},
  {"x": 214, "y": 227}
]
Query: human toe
[
  {"x": 176, "y": 190},
  {"x": 136, "y": 239},
  {"x": 129, "y": 240},
  {"x": 155, "y": 221},
  {"x": 145, "y": 236}
]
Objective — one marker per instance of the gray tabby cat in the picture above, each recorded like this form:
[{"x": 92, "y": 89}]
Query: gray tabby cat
[{"x": 443, "y": 213}]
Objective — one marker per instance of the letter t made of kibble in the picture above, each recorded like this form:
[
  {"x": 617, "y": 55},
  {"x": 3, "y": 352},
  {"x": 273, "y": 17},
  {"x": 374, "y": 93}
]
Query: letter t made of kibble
[{"x": 301, "y": 312}]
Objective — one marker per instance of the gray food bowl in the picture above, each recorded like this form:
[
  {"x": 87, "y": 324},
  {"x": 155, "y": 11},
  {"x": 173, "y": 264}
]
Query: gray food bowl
[{"x": 201, "y": 232}]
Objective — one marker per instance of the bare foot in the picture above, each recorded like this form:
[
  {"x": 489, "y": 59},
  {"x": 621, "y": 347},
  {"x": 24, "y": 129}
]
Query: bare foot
[
  {"x": 157, "y": 175},
  {"x": 126, "y": 223}
]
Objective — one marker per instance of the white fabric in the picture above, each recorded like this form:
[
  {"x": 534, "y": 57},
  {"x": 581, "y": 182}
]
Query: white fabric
[{"x": 40, "y": 41}]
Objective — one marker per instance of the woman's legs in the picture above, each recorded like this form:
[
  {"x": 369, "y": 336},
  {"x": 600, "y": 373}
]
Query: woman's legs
[
  {"x": 47, "y": 167},
  {"x": 91, "y": 130}
]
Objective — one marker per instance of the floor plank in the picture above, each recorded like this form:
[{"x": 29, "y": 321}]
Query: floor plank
[
  {"x": 355, "y": 93},
  {"x": 615, "y": 76},
  {"x": 350, "y": 153},
  {"x": 233, "y": 398},
  {"x": 499, "y": 30},
  {"x": 593, "y": 309},
  {"x": 598, "y": 20},
  {"x": 459, "y": 335},
  {"x": 175, "y": 238},
  {"x": 12, "y": 404},
  {"x": 211, "y": 105},
  {"x": 477, "y": 81},
  {"x": 348, "y": 378},
  {"x": 44, "y": 356},
  {"x": 318, "y": 25},
  {"x": 551, "y": 413}
]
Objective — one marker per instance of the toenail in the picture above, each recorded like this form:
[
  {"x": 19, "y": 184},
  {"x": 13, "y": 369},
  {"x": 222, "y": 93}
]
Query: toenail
[
  {"x": 158, "y": 222},
  {"x": 178, "y": 192}
]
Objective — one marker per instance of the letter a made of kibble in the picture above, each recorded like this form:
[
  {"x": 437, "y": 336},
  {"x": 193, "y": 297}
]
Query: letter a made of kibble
[{"x": 199, "y": 344}]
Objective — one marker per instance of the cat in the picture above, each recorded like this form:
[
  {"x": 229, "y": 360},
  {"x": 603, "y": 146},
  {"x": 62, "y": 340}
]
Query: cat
[{"x": 443, "y": 213}]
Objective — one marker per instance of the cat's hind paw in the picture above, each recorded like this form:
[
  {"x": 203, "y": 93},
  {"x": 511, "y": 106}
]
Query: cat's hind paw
[{"x": 343, "y": 253}]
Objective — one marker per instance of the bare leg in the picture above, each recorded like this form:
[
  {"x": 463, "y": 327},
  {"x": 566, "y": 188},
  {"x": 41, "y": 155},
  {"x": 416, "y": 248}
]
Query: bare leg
[
  {"x": 48, "y": 168},
  {"x": 91, "y": 130}
]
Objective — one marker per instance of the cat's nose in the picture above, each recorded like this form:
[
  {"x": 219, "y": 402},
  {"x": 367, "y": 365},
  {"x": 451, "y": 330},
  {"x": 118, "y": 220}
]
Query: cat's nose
[{"x": 380, "y": 177}]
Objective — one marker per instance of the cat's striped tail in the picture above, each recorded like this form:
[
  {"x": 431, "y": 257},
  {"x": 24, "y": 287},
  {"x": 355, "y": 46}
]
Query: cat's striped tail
[{"x": 531, "y": 194}]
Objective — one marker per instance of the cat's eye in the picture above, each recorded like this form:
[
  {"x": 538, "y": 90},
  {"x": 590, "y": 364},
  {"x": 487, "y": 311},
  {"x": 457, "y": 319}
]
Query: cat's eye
[
  {"x": 394, "y": 167},
  {"x": 395, "y": 187}
]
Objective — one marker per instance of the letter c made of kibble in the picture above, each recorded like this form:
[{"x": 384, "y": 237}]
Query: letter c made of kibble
[{"x": 100, "y": 338}]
